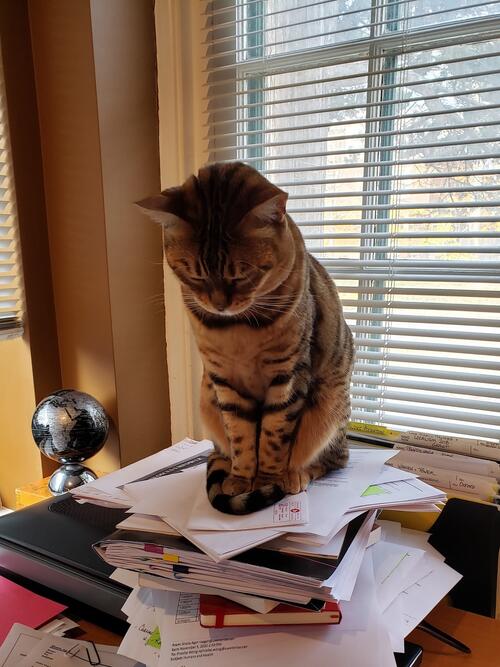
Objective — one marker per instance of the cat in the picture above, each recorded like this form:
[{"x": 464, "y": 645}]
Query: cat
[{"x": 276, "y": 350}]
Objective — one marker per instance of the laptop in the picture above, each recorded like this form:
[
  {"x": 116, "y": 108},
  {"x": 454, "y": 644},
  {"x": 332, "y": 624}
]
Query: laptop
[{"x": 50, "y": 543}]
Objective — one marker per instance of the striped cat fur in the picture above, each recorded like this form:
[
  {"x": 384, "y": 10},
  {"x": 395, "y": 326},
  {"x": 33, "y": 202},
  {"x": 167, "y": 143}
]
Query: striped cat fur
[{"x": 277, "y": 353}]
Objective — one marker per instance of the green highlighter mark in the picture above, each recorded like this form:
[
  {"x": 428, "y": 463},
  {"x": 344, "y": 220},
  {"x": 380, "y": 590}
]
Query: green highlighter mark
[
  {"x": 374, "y": 490},
  {"x": 154, "y": 640}
]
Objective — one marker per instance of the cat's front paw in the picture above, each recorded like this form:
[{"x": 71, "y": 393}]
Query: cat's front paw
[
  {"x": 296, "y": 481},
  {"x": 266, "y": 480},
  {"x": 233, "y": 485}
]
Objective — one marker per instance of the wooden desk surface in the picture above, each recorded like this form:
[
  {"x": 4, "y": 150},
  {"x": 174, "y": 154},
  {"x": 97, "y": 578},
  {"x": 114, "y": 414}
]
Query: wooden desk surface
[{"x": 481, "y": 634}]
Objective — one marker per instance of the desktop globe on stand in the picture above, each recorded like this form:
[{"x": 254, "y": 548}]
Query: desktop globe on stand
[{"x": 69, "y": 427}]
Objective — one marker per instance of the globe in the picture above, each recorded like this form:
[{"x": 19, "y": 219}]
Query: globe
[{"x": 69, "y": 426}]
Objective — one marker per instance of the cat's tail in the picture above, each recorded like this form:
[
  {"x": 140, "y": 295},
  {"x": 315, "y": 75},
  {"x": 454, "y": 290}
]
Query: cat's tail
[{"x": 244, "y": 503}]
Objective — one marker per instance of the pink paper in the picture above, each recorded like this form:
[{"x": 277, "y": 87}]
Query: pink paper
[{"x": 19, "y": 605}]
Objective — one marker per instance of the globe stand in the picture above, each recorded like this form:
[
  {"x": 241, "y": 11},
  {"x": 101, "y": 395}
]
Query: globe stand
[{"x": 69, "y": 476}]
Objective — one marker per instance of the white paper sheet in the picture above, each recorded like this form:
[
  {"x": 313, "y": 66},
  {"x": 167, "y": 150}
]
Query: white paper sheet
[
  {"x": 142, "y": 625},
  {"x": 147, "y": 523},
  {"x": 321, "y": 540},
  {"x": 125, "y": 577},
  {"x": 418, "y": 600},
  {"x": 109, "y": 487},
  {"x": 392, "y": 618},
  {"x": 389, "y": 474},
  {"x": 261, "y": 605},
  {"x": 333, "y": 495},
  {"x": 393, "y": 565},
  {"x": 291, "y": 511},
  {"x": 18, "y": 643},
  {"x": 330, "y": 550},
  {"x": 408, "y": 491},
  {"x": 343, "y": 580}
]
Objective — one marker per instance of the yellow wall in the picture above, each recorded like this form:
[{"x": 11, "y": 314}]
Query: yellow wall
[{"x": 19, "y": 456}]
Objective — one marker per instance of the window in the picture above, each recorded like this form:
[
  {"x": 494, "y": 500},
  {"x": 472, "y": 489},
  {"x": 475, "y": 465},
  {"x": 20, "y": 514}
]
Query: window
[
  {"x": 10, "y": 268},
  {"x": 380, "y": 118}
]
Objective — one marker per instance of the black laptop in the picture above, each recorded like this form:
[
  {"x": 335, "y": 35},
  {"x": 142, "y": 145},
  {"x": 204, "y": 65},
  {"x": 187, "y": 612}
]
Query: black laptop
[{"x": 50, "y": 543}]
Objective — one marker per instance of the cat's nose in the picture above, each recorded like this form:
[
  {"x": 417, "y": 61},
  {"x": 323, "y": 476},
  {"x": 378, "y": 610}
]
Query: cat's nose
[{"x": 220, "y": 301}]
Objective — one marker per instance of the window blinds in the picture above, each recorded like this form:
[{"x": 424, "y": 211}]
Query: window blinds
[
  {"x": 10, "y": 269},
  {"x": 380, "y": 118}
]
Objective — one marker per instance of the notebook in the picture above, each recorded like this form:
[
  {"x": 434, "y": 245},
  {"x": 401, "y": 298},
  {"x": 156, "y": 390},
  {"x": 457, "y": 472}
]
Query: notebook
[{"x": 217, "y": 612}]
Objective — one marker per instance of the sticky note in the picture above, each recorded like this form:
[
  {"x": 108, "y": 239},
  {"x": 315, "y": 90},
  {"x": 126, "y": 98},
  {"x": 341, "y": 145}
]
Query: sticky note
[
  {"x": 373, "y": 429},
  {"x": 154, "y": 639},
  {"x": 153, "y": 548},
  {"x": 171, "y": 558},
  {"x": 181, "y": 569}
]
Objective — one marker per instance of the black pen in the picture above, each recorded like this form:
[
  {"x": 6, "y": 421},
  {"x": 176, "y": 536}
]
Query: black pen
[{"x": 443, "y": 636}]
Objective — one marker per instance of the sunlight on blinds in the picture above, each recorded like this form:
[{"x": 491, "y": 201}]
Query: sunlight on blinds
[{"x": 380, "y": 118}]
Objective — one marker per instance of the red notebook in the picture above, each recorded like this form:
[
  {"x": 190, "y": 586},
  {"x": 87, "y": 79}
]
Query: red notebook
[
  {"x": 217, "y": 612},
  {"x": 19, "y": 605}
]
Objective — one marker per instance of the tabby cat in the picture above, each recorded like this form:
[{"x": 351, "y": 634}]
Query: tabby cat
[{"x": 277, "y": 353}]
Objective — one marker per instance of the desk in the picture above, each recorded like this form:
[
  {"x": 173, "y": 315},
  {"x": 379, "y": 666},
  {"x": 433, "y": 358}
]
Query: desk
[{"x": 480, "y": 633}]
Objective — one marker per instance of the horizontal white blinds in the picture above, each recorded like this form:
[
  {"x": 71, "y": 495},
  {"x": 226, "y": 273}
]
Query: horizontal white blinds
[
  {"x": 10, "y": 280},
  {"x": 380, "y": 118}
]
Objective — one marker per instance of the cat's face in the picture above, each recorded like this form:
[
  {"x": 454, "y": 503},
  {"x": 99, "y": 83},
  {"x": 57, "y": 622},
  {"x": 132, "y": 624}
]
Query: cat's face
[{"x": 226, "y": 238}]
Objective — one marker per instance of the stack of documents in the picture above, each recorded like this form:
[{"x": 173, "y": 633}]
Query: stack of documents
[
  {"x": 312, "y": 549},
  {"x": 165, "y": 494},
  {"x": 400, "y": 579},
  {"x": 466, "y": 467}
]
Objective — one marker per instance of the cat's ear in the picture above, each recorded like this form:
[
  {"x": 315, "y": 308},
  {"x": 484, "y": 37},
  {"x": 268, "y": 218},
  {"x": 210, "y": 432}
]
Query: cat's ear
[
  {"x": 165, "y": 208},
  {"x": 269, "y": 213}
]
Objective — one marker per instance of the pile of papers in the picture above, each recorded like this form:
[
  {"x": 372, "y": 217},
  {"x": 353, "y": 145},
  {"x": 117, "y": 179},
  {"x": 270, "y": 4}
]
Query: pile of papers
[
  {"x": 165, "y": 494},
  {"x": 401, "y": 578},
  {"x": 320, "y": 546}
]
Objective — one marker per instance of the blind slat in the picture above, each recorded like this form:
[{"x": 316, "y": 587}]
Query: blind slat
[
  {"x": 452, "y": 362},
  {"x": 423, "y": 305}
]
